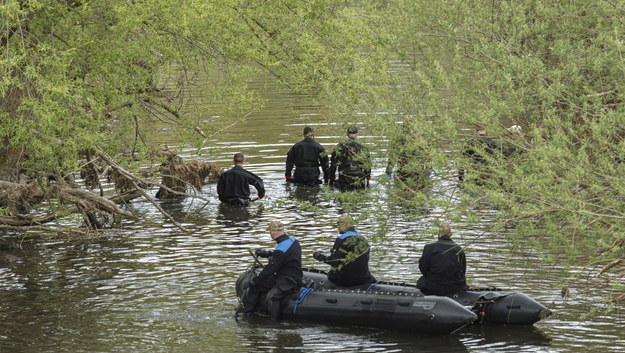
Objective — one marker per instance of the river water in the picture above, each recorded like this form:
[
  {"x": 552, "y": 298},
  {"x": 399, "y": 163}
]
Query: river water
[{"x": 157, "y": 289}]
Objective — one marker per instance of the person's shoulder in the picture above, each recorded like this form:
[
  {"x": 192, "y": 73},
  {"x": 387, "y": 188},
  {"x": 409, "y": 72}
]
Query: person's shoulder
[
  {"x": 251, "y": 174},
  {"x": 314, "y": 142}
]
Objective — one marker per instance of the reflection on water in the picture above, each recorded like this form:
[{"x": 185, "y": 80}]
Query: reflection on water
[{"x": 156, "y": 289}]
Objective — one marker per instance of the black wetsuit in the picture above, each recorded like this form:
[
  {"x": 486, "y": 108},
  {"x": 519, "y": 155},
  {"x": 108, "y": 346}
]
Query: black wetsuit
[
  {"x": 478, "y": 148},
  {"x": 443, "y": 265},
  {"x": 353, "y": 163},
  {"x": 279, "y": 278},
  {"x": 349, "y": 259},
  {"x": 234, "y": 186},
  {"x": 307, "y": 156}
]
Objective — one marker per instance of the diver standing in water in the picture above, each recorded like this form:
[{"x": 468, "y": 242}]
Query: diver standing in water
[{"x": 306, "y": 156}]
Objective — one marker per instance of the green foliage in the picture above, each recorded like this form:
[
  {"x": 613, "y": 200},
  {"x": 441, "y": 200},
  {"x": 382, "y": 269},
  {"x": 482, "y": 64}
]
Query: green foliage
[
  {"x": 100, "y": 74},
  {"x": 554, "y": 68}
]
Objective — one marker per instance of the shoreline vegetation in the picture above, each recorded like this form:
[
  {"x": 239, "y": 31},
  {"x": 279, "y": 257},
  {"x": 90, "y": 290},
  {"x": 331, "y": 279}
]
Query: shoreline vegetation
[{"x": 85, "y": 83}]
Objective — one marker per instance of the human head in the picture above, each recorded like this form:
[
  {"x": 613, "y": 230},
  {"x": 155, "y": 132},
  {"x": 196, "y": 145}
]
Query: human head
[
  {"x": 308, "y": 131},
  {"x": 276, "y": 229},
  {"x": 238, "y": 159},
  {"x": 344, "y": 223},
  {"x": 352, "y": 131},
  {"x": 445, "y": 230},
  {"x": 480, "y": 131}
]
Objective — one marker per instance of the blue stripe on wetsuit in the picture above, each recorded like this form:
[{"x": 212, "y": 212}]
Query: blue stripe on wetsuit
[
  {"x": 349, "y": 234},
  {"x": 285, "y": 245}
]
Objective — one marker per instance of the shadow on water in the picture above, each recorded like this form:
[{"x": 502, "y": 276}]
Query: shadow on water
[
  {"x": 303, "y": 193},
  {"x": 238, "y": 219},
  {"x": 266, "y": 336},
  {"x": 515, "y": 338}
]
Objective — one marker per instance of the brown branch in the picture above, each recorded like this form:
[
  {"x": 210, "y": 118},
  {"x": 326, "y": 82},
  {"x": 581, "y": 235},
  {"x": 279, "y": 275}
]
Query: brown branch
[
  {"x": 30, "y": 221},
  {"x": 610, "y": 265},
  {"x": 136, "y": 183}
]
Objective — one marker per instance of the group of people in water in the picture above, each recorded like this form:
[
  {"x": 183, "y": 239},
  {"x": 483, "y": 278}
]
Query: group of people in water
[
  {"x": 349, "y": 158},
  {"x": 443, "y": 264}
]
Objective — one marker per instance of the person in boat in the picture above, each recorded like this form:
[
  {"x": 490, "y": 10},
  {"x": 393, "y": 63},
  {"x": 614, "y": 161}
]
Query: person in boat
[
  {"x": 349, "y": 256},
  {"x": 233, "y": 186},
  {"x": 477, "y": 149},
  {"x": 306, "y": 156},
  {"x": 353, "y": 163},
  {"x": 280, "y": 277},
  {"x": 443, "y": 266}
]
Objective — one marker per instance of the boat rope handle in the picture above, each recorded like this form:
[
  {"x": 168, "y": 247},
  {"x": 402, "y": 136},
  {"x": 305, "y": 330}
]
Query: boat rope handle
[
  {"x": 302, "y": 295},
  {"x": 371, "y": 286}
]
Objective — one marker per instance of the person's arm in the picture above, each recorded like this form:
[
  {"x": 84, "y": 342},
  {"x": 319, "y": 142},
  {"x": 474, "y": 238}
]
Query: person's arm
[
  {"x": 257, "y": 183},
  {"x": 463, "y": 262},
  {"x": 323, "y": 162},
  {"x": 336, "y": 254},
  {"x": 290, "y": 163},
  {"x": 424, "y": 261},
  {"x": 275, "y": 263},
  {"x": 333, "y": 164},
  {"x": 221, "y": 187}
]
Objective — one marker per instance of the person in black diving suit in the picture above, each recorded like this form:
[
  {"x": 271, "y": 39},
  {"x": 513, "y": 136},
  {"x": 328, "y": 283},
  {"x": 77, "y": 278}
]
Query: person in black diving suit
[
  {"x": 478, "y": 148},
  {"x": 306, "y": 156},
  {"x": 353, "y": 163},
  {"x": 280, "y": 277},
  {"x": 349, "y": 256},
  {"x": 233, "y": 186},
  {"x": 443, "y": 265}
]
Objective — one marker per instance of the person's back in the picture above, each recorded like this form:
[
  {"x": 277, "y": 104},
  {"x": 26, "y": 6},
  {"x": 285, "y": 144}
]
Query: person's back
[
  {"x": 349, "y": 257},
  {"x": 352, "y": 161},
  {"x": 413, "y": 162},
  {"x": 479, "y": 146},
  {"x": 443, "y": 265},
  {"x": 306, "y": 156},
  {"x": 233, "y": 186}
]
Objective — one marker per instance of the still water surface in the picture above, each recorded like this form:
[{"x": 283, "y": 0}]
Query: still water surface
[{"x": 156, "y": 289}]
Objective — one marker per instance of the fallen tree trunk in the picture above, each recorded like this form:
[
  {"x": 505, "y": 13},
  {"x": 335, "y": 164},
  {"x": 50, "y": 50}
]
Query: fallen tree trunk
[{"x": 110, "y": 204}]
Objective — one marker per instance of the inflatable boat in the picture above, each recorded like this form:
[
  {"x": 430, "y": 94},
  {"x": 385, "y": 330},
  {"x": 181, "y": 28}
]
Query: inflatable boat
[
  {"x": 490, "y": 305},
  {"x": 398, "y": 310}
]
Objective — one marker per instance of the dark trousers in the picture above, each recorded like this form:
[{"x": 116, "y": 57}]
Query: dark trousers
[
  {"x": 307, "y": 176},
  {"x": 346, "y": 183},
  {"x": 275, "y": 289}
]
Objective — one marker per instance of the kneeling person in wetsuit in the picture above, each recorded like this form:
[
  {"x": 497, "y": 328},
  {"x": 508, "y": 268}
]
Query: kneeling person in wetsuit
[
  {"x": 443, "y": 265},
  {"x": 280, "y": 277},
  {"x": 349, "y": 256}
]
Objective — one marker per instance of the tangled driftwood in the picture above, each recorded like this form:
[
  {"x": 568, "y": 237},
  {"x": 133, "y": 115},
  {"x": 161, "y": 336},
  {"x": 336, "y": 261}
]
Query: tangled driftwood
[{"x": 17, "y": 200}]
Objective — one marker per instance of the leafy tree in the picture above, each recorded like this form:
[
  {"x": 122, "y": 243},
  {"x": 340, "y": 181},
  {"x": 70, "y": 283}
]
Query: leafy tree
[
  {"x": 555, "y": 69},
  {"x": 84, "y": 82}
]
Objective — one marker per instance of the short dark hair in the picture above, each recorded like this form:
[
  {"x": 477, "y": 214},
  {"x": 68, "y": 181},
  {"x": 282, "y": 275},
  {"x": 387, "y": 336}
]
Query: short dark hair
[
  {"x": 352, "y": 130},
  {"x": 308, "y": 131},
  {"x": 445, "y": 230},
  {"x": 238, "y": 158}
]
